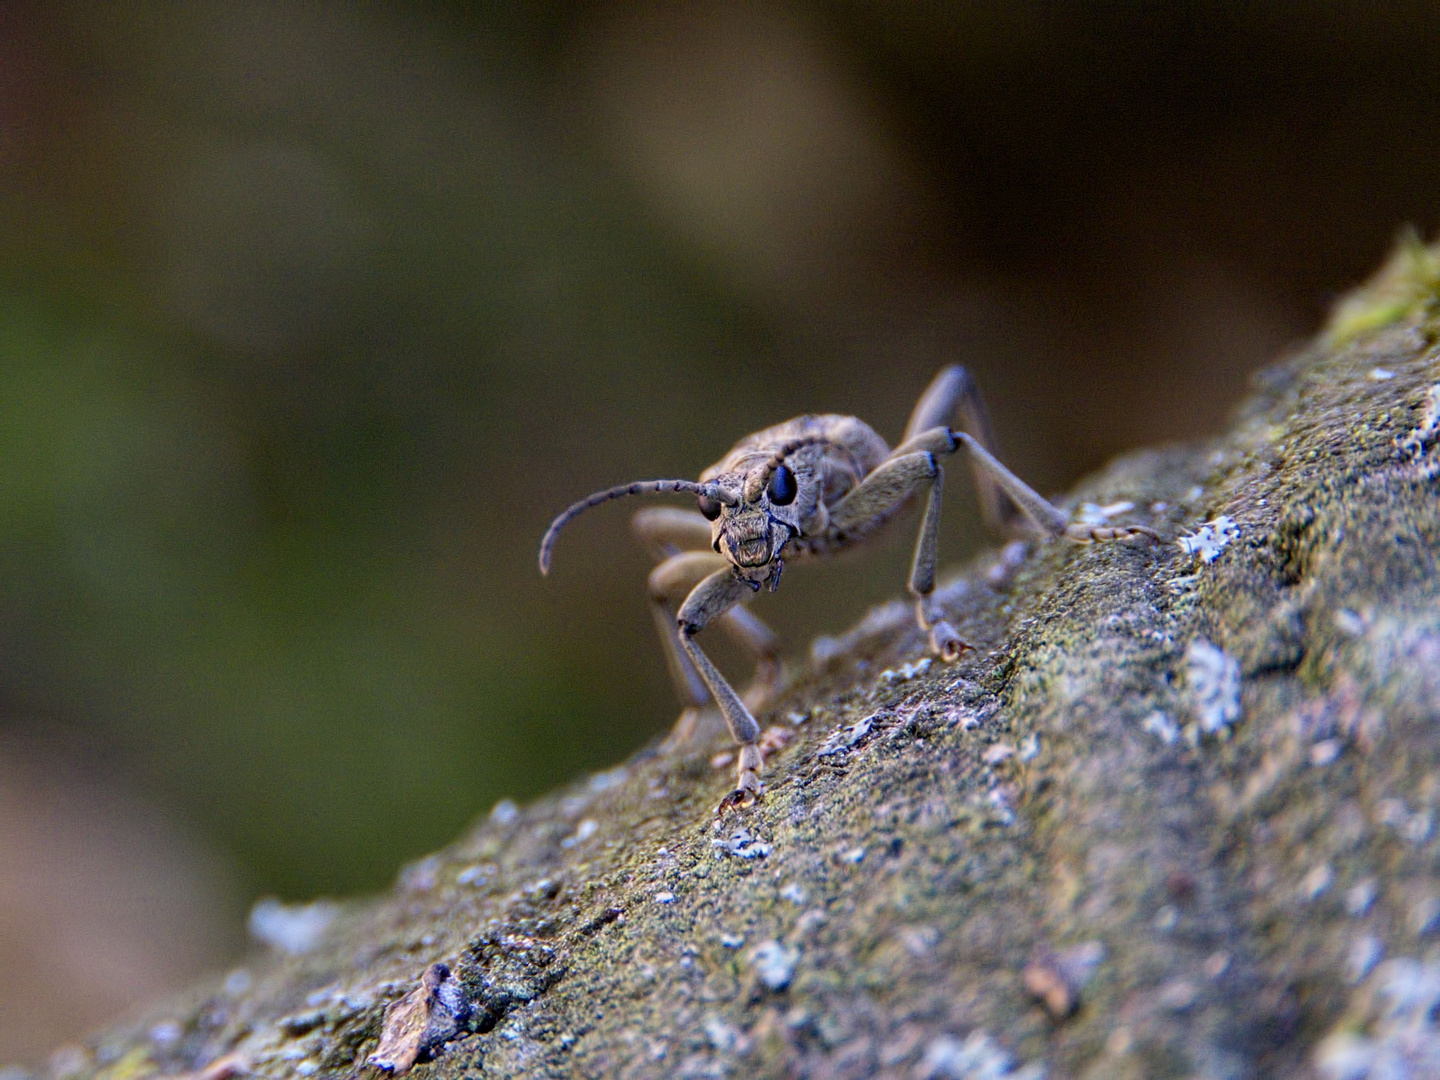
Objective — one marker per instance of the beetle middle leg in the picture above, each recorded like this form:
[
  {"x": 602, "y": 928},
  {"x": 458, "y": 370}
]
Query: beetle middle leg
[
  {"x": 915, "y": 463},
  {"x": 882, "y": 493}
]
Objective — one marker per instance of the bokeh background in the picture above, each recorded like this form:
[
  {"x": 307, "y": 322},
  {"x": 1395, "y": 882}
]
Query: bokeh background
[{"x": 313, "y": 314}]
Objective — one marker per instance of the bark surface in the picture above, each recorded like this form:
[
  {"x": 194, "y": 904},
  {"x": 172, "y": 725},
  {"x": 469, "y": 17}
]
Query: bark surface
[{"x": 1173, "y": 817}]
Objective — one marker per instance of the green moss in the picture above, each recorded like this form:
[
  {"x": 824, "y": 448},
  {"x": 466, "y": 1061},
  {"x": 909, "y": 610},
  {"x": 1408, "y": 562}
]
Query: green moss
[{"x": 1407, "y": 284}]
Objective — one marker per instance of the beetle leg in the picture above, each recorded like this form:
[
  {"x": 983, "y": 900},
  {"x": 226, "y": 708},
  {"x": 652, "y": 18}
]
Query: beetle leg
[
  {"x": 669, "y": 581},
  {"x": 878, "y": 495},
  {"x": 1043, "y": 515},
  {"x": 669, "y": 530},
  {"x": 708, "y": 601},
  {"x": 663, "y": 530},
  {"x": 741, "y": 626},
  {"x": 954, "y": 389}
]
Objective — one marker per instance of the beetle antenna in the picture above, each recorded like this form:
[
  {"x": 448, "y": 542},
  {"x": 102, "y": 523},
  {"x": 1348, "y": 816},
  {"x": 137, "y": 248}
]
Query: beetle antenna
[{"x": 640, "y": 487}]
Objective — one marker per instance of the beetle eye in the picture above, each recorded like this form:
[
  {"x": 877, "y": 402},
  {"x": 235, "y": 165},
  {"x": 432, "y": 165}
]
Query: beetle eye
[
  {"x": 708, "y": 506},
  {"x": 782, "y": 486}
]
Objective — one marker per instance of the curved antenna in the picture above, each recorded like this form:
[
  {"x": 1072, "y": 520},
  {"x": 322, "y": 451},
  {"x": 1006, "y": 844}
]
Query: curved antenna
[
  {"x": 756, "y": 481},
  {"x": 640, "y": 487}
]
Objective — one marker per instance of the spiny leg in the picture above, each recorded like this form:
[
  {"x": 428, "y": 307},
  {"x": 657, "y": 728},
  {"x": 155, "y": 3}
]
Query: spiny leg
[
  {"x": 709, "y": 600},
  {"x": 674, "y": 578},
  {"x": 955, "y": 389},
  {"x": 1026, "y": 504},
  {"x": 914, "y": 464},
  {"x": 879, "y": 495},
  {"x": 1041, "y": 514},
  {"x": 667, "y": 532},
  {"x": 1009, "y": 504}
]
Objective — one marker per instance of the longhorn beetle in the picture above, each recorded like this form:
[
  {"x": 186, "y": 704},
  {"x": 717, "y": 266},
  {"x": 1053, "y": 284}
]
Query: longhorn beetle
[{"x": 800, "y": 490}]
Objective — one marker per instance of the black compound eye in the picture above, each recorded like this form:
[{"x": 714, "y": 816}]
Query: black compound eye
[
  {"x": 708, "y": 506},
  {"x": 782, "y": 486}
]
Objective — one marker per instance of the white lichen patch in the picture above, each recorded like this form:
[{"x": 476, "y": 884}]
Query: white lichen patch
[
  {"x": 724, "y": 1037},
  {"x": 1210, "y": 539},
  {"x": 604, "y": 781},
  {"x": 1399, "y": 1037},
  {"x": 1423, "y": 915},
  {"x": 420, "y": 876},
  {"x": 774, "y": 963},
  {"x": 905, "y": 672},
  {"x": 1412, "y": 827},
  {"x": 1092, "y": 514},
  {"x": 842, "y": 739},
  {"x": 1325, "y": 752},
  {"x": 1350, "y": 623},
  {"x": 583, "y": 832},
  {"x": 1162, "y": 727},
  {"x": 741, "y": 844},
  {"x": 1364, "y": 953},
  {"x": 1001, "y": 811},
  {"x": 1317, "y": 881},
  {"x": 1212, "y": 683},
  {"x": 1359, "y": 897},
  {"x": 998, "y": 753},
  {"x": 291, "y": 928},
  {"x": 476, "y": 874},
  {"x": 1415, "y": 442},
  {"x": 978, "y": 1057},
  {"x": 810, "y": 921}
]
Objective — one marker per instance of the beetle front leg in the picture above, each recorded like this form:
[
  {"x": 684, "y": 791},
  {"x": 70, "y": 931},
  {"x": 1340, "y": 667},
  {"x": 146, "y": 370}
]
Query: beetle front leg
[
  {"x": 671, "y": 582},
  {"x": 707, "y": 602}
]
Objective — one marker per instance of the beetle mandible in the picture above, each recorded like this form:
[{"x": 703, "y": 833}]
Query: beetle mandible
[{"x": 801, "y": 490}]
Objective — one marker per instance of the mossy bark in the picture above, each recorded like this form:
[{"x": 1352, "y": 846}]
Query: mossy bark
[{"x": 929, "y": 833}]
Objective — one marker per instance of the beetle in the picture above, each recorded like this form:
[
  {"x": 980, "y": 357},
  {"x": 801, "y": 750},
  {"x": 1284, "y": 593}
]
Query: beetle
[{"x": 801, "y": 490}]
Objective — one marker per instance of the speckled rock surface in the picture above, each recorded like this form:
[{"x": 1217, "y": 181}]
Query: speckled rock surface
[{"x": 1183, "y": 792}]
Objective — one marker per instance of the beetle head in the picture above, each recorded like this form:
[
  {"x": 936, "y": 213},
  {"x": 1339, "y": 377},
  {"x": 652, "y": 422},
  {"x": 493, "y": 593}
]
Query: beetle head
[{"x": 772, "y": 500}]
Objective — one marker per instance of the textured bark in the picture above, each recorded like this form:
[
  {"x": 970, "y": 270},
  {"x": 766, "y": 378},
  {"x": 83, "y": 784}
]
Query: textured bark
[{"x": 1073, "y": 814}]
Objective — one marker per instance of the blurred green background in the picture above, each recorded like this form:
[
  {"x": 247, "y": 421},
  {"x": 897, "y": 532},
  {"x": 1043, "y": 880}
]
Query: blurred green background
[{"x": 312, "y": 316}]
